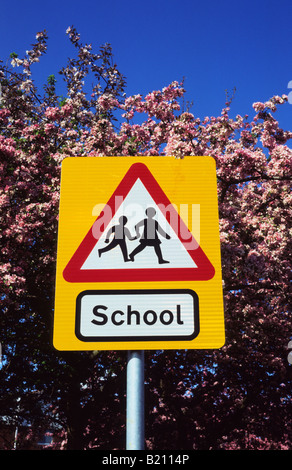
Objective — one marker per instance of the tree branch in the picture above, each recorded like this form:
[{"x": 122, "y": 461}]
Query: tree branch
[{"x": 231, "y": 182}]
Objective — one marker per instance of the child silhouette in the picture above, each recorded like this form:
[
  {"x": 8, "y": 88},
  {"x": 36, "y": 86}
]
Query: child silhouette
[
  {"x": 149, "y": 237},
  {"x": 120, "y": 234}
]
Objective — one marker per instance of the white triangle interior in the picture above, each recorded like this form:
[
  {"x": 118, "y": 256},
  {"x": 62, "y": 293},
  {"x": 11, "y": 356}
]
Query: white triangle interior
[{"x": 133, "y": 207}]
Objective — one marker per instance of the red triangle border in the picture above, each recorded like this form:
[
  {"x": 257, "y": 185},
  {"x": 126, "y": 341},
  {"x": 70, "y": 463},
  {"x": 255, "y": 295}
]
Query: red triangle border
[{"x": 73, "y": 272}]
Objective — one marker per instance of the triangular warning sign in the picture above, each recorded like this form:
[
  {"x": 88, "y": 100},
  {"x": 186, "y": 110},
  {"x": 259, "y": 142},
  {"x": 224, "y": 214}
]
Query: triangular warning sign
[{"x": 139, "y": 236}]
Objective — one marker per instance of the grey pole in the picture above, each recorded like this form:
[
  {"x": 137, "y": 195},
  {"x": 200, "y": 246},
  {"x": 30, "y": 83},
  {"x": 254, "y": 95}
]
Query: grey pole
[{"x": 135, "y": 401}]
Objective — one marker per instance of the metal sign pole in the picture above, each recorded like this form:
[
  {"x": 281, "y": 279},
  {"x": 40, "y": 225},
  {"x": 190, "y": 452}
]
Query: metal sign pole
[{"x": 135, "y": 401}]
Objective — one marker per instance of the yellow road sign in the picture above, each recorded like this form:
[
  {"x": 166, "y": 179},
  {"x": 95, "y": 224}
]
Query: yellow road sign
[{"x": 138, "y": 260}]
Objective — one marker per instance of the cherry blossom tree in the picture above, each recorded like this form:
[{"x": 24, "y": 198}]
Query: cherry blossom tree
[{"x": 238, "y": 397}]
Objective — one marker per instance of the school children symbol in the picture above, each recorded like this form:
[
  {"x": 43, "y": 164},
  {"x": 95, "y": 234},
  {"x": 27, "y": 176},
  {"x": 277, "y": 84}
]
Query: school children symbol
[
  {"x": 149, "y": 237},
  {"x": 137, "y": 236}
]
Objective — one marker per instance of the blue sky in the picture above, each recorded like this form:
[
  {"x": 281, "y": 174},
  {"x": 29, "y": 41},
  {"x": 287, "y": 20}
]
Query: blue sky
[{"x": 215, "y": 45}]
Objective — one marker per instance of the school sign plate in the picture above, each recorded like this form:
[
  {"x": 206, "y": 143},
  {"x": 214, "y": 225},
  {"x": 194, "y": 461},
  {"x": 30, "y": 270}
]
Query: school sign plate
[{"x": 138, "y": 260}]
